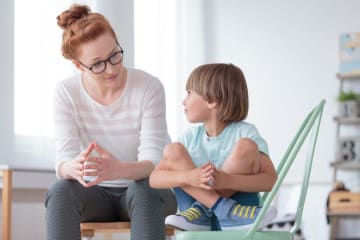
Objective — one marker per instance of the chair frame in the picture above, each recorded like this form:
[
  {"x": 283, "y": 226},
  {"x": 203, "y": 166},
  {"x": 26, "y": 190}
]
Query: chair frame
[
  {"x": 88, "y": 229},
  {"x": 310, "y": 124}
]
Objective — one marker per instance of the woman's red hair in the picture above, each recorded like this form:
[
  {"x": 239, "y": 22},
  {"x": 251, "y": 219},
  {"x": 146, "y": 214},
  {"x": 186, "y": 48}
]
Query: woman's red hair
[{"x": 80, "y": 26}]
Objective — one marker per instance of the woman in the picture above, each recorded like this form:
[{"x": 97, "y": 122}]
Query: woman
[{"x": 110, "y": 132}]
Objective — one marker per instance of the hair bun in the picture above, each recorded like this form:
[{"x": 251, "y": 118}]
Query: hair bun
[{"x": 74, "y": 13}]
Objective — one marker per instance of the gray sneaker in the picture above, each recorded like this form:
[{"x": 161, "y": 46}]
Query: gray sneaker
[
  {"x": 234, "y": 216},
  {"x": 195, "y": 218}
]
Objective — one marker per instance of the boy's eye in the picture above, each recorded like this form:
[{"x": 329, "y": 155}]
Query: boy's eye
[{"x": 188, "y": 93}]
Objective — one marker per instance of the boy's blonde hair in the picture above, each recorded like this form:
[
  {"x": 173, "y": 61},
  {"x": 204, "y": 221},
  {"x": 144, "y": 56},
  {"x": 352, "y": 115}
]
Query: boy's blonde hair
[{"x": 224, "y": 84}]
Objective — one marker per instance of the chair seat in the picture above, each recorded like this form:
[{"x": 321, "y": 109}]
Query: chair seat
[
  {"x": 104, "y": 227},
  {"x": 88, "y": 229},
  {"x": 231, "y": 235}
]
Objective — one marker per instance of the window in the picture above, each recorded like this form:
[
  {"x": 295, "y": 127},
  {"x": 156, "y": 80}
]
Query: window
[
  {"x": 38, "y": 66},
  {"x": 155, "y": 50}
]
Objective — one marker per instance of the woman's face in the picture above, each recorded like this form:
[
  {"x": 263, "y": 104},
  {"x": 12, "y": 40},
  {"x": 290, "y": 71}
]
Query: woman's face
[{"x": 95, "y": 54}]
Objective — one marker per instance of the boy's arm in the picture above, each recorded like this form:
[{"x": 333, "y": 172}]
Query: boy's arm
[{"x": 162, "y": 177}]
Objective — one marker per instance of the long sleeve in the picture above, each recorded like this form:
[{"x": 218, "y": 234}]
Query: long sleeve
[
  {"x": 153, "y": 134},
  {"x": 66, "y": 130}
]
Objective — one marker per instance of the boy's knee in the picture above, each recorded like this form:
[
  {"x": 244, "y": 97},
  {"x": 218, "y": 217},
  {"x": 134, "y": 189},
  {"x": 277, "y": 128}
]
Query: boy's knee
[
  {"x": 174, "y": 150},
  {"x": 248, "y": 151},
  {"x": 246, "y": 146}
]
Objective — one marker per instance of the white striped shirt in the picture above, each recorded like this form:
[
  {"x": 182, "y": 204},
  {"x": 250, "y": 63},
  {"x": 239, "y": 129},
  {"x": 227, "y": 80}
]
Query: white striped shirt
[{"x": 132, "y": 128}]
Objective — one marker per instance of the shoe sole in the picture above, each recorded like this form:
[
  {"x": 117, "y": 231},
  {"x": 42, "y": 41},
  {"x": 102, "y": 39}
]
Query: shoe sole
[
  {"x": 173, "y": 221},
  {"x": 269, "y": 216}
]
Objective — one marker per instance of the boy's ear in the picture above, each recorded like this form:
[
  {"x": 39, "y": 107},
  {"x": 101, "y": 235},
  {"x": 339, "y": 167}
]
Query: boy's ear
[
  {"x": 78, "y": 65},
  {"x": 212, "y": 105}
]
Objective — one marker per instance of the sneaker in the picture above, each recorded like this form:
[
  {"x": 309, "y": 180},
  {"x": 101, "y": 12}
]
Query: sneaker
[
  {"x": 195, "y": 218},
  {"x": 234, "y": 216}
]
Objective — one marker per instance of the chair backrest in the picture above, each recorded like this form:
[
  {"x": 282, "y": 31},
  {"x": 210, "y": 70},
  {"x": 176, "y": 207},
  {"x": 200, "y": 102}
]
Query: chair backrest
[{"x": 310, "y": 124}]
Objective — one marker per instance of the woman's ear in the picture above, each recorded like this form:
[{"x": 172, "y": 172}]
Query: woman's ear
[{"x": 78, "y": 65}]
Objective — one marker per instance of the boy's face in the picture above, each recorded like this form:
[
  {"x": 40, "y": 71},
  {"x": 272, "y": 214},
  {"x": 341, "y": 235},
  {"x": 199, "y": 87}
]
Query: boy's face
[{"x": 197, "y": 109}]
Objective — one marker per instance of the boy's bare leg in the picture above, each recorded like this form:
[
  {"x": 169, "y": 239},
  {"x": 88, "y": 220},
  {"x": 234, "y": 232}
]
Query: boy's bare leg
[
  {"x": 177, "y": 158},
  {"x": 243, "y": 159}
]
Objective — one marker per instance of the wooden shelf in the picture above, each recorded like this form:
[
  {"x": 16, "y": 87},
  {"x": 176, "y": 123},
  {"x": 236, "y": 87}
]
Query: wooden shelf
[
  {"x": 350, "y": 166},
  {"x": 352, "y": 76},
  {"x": 339, "y": 164},
  {"x": 342, "y": 214},
  {"x": 347, "y": 120}
]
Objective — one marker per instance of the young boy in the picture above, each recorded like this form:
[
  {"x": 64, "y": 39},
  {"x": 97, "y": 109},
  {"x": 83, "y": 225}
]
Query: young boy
[{"x": 218, "y": 167}]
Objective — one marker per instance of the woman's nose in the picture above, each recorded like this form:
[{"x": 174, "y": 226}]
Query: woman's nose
[{"x": 110, "y": 68}]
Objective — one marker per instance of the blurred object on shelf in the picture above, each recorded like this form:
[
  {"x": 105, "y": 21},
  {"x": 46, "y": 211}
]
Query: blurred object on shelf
[{"x": 350, "y": 53}]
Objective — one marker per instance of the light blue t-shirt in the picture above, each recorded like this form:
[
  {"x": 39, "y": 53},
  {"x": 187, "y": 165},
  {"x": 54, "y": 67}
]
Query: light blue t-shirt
[{"x": 203, "y": 148}]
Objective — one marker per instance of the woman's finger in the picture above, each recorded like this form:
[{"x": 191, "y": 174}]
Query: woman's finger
[
  {"x": 88, "y": 150},
  {"x": 90, "y": 165},
  {"x": 81, "y": 181},
  {"x": 91, "y": 173},
  {"x": 93, "y": 182},
  {"x": 99, "y": 149}
]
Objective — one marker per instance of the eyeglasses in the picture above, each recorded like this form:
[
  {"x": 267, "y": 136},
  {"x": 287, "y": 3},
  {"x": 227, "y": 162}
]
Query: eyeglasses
[{"x": 100, "y": 66}]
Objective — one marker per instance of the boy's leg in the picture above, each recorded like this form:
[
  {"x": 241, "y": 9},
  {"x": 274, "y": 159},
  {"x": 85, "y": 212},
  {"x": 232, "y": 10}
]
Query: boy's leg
[
  {"x": 193, "y": 215},
  {"x": 183, "y": 199},
  {"x": 68, "y": 203},
  {"x": 243, "y": 159},
  {"x": 177, "y": 158},
  {"x": 147, "y": 209}
]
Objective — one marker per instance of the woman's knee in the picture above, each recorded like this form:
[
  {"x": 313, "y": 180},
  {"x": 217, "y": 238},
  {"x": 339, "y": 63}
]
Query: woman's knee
[
  {"x": 140, "y": 189},
  {"x": 61, "y": 189}
]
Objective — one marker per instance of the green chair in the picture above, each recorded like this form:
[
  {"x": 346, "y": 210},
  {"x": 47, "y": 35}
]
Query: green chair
[{"x": 311, "y": 123}]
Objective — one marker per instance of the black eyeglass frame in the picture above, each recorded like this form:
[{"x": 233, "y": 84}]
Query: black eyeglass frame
[{"x": 105, "y": 61}]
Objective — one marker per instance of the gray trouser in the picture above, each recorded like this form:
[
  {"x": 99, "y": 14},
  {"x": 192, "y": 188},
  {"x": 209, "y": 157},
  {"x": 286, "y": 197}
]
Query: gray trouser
[{"x": 68, "y": 203}]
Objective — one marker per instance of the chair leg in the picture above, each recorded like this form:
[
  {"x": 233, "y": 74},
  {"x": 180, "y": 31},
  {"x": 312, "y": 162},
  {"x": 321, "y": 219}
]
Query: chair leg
[{"x": 87, "y": 234}]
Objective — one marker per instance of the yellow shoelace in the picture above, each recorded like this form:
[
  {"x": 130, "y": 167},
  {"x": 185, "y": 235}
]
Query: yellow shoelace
[
  {"x": 244, "y": 211},
  {"x": 191, "y": 213}
]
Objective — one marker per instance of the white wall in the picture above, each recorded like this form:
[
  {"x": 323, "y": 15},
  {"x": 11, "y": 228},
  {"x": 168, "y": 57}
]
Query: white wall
[
  {"x": 289, "y": 52},
  {"x": 6, "y": 79}
]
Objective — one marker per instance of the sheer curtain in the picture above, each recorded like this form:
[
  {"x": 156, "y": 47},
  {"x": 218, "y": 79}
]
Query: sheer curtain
[
  {"x": 38, "y": 66},
  {"x": 169, "y": 44},
  {"x": 154, "y": 25}
]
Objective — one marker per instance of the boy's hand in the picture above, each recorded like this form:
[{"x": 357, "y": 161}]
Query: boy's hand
[
  {"x": 216, "y": 177},
  {"x": 200, "y": 177}
]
